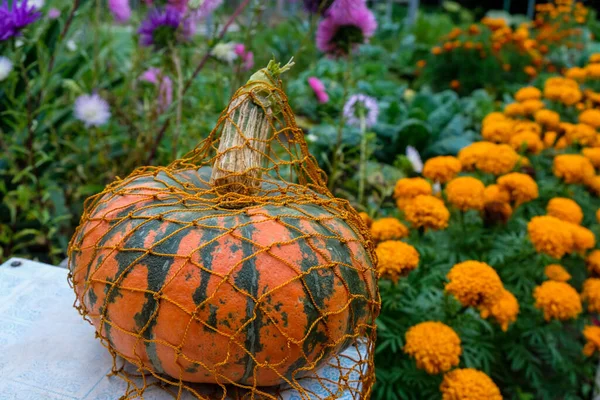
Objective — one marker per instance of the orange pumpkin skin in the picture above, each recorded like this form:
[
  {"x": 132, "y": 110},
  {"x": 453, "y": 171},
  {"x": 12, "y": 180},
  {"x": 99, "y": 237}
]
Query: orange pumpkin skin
[{"x": 213, "y": 295}]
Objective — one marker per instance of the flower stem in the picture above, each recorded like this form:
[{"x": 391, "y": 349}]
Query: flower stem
[
  {"x": 363, "y": 158},
  {"x": 177, "y": 63}
]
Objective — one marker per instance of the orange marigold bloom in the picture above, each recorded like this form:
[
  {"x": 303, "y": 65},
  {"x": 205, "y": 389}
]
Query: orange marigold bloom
[
  {"x": 556, "y": 272},
  {"x": 593, "y": 184},
  {"x": 592, "y": 337},
  {"x": 527, "y": 126},
  {"x": 388, "y": 229},
  {"x": 521, "y": 187},
  {"x": 411, "y": 187},
  {"x": 581, "y": 133},
  {"x": 528, "y": 93},
  {"x": 532, "y": 106},
  {"x": 590, "y": 117},
  {"x": 442, "y": 168},
  {"x": 474, "y": 29},
  {"x": 396, "y": 259},
  {"x": 576, "y": 73},
  {"x": 550, "y": 235},
  {"x": 530, "y": 70},
  {"x": 573, "y": 168},
  {"x": 474, "y": 283},
  {"x": 494, "y": 116},
  {"x": 558, "y": 300},
  {"x": 496, "y": 193},
  {"x": 570, "y": 96},
  {"x": 466, "y": 193},
  {"x": 470, "y": 154},
  {"x": 504, "y": 309},
  {"x": 498, "y": 131},
  {"x": 366, "y": 219},
  {"x": 514, "y": 109},
  {"x": 550, "y": 139},
  {"x": 469, "y": 383},
  {"x": 455, "y": 84},
  {"x": 594, "y": 58},
  {"x": 498, "y": 159},
  {"x": 598, "y": 215},
  {"x": 530, "y": 141},
  {"x": 565, "y": 209},
  {"x": 593, "y": 71},
  {"x": 437, "y": 50},
  {"x": 583, "y": 238},
  {"x": 591, "y": 294},
  {"x": 592, "y": 154},
  {"x": 547, "y": 118},
  {"x": 421, "y": 63},
  {"x": 593, "y": 262},
  {"x": 427, "y": 212},
  {"x": 434, "y": 346}
]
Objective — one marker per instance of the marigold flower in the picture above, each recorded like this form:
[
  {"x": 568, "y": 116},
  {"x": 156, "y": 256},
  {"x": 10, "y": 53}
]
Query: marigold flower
[
  {"x": 581, "y": 133},
  {"x": 421, "y": 63},
  {"x": 496, "y": 212},
  {"x": 573, "y": 168},
  {"x": 366, "y": 219},
  {"x": 528, "y": 140},
  {"x": 550, "y": 235},
  {"x": 576, "y": 73},
  {"x": 498, "y": 159},
  {"x": 465, "y": 193},
  {"x": 496, "y": 193},
  {"x": 434, "y": 346},
  {"x": 556, "y": 272},
  {"x": 441, "y": 169},
  {"x": 530, "y": 70},
  {"x": 532, "y": 106},
  {"x": 470, "y": 154},
  {"x": 437, "y": 50},
  {"x": 547, "y": 118},
  {"x": 494, "y": 116},
  {"x": 565, "y": 209},
  {"x": 583, "y": 238},
  {"x": 504, "y": 309},
  {"x": 598, "y": 215},
  {"x": 527, "y": 126},
  {"x": 528, "y": 93},
  {"x": 427, "y": 211},
  {"x": 558, "y": 300},
  {"x": 570, "y": 96},
  {"x": 396, "y": 259},
  {"x": 593, "y": 71},
  {"x": 550, "y": 139},
  {"x": 388, "y": 229},
  {"x": 498, "y": 131},
  {"x": 594, "y": 58},
  {"x": 514, "y": 109},
  {"x": 592, "y": 262},
  {"x": 411, "y": 187},
  {"x": 521, "y": 187},
  {"x": 593, "y": 184},
  {"x": 468, "y": 383},
  {"x": 592, "y": 336},
  {"x": 591, "y": 294},
  {"x": 592, "y": 154},
  {"x": 590, "y": 117},
  {"x": 474, "y": 283}
]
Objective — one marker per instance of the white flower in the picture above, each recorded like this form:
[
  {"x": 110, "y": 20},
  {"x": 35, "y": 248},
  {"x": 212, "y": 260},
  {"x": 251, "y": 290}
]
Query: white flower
[
  {"x": 36, "y": 3},
  {"x": 311, "y": 137},
  {"x": 225, "y": 52},
  {"x": 71, "y": 45},
  {"x": 409, "y": 95},
  {"x": 415, "y": 159},
  {"x": 6, "y": 67},
  {"x": 92, "y": 110}
]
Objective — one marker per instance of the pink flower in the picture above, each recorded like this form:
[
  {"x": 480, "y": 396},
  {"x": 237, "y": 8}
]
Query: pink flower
[
  {"x": 348, "y": 23},
  {"x": 120, "y": 10},
  {"x": 165, "y": 87},
  {"x": 247, "y": 57},
  {"x": 179, "y": 5},
  {"x": 53, "y": 13},
  {"x": 319, "y": 88}
]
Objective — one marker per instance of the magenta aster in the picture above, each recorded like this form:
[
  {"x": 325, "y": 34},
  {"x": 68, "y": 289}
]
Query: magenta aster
[
  {"x": 206, "y": 8},
  {"x": 319, "y": 88},
  {"x": 162, "y": 27},
  {"x": 120, "y": 9},
  {"x": 347, "y": 24},
  {"x": 15, "y": 17},
  {"x": 165, "y": 86}
]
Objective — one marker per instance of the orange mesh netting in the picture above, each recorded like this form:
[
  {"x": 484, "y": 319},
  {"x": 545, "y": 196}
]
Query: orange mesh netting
[{"x": 233, "y": 272}]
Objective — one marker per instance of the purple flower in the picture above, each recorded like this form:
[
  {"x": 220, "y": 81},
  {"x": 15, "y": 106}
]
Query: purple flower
[
  {"x": 247, "y": 57},
  {"x": 205, "y": 9},
  {"x": 361, "y": 106},
  {"x": 347, "y": 24},
  {"x": 92, "y": 110},
  {"x": 162, "y": 27},
  {"x": 164, "y": 84},
  {"x": 319, "y": 88},
  {"x": 179, "y": 5},
  {"x": 317, "y": 6},
  {"x": 14, "y": 18},
  {"x": 120, "y": 9},
  {"x": 53, "y": 13}
]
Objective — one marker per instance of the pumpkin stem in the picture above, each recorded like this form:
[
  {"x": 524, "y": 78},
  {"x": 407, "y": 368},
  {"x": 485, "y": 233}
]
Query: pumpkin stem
[{"x": 237, "y": 167}]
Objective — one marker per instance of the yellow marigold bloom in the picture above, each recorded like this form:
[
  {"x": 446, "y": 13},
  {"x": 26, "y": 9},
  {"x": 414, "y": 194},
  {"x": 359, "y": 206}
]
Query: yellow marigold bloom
[
  {"x": 573, "y": 168},
  {"x": 496, "y": 193},
  {"x": 581, "y": 133},
  {"x": 504, "y": 309},
  {"x": 442, "y": 168},
  {"x": 528, "y": 93},
  {"x": 521, "y": 187},
  {"x": 558, "y": 300},
  {"x": 576, "y": 73},
  {"x": 497, "y": 131},
  {"x": 514, "y": 109},
  {"x": 550, "y": 235},
  {"x": 592, "y": 154},
  {"x": 469, "y": 155},
  {"x": 592, "y": 337},
  {"x": 583, "y": 238},
  {"x": 591, "y": 294},
  {"x": 498, "y": 159},
  {"x": 396, "y": 259},
  {"x": 366, "y": 219},
  {"x": 556, "y": 272},
  {"x": 530, "y": 141},
  {"x": 565, "y": 209},
  {"x": 593, "y": 71},
  {"x": 474, "y": 283},
  {"x": 465, "y": 193},
  {"x": 547, "y": 118},
  {"x": 434, "y": 346},
  {"x": 388, "y": 229},
  {"x": 411, "y": 187},
  {"x": 427, "y": 212},
  {"x": 592, "y": 262},
  {"x": 469, "y": 384},
  {"x": 530, "y": 107},
  {"x": 590, "y": 117}
]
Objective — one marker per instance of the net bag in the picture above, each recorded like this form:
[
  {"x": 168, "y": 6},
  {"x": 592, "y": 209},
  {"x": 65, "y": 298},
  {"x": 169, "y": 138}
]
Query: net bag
[{"x": 232, "y": 272}]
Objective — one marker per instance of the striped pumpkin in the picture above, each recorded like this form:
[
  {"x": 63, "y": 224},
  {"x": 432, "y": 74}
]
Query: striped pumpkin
[{"x": 204, "y": 294}]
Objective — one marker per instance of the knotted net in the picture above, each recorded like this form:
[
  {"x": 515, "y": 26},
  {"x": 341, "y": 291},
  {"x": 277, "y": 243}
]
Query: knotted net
[{"x": 232, "y": 272}]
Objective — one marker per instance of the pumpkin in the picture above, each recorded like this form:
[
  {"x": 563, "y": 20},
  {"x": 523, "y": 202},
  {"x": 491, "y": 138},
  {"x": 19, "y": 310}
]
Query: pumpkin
[{"x": 182, "y": 283}]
